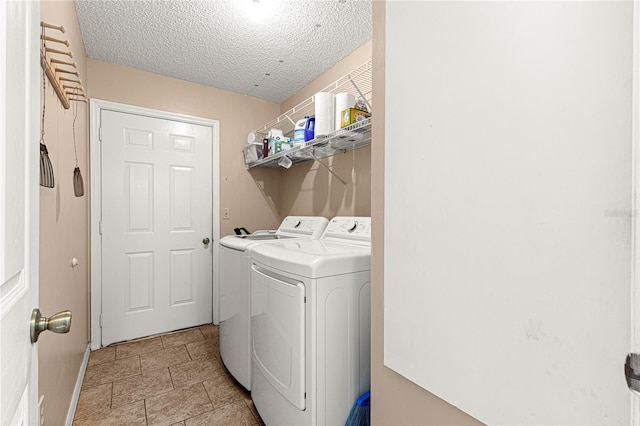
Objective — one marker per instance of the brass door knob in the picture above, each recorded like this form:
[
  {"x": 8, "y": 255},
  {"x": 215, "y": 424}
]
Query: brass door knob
[
  {"x": 206, "y": 241},
  {"x": 58, "y": 323}
]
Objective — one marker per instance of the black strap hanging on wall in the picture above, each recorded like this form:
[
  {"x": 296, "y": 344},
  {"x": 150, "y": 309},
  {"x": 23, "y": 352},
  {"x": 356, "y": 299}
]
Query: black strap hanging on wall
[
  {"x": 46, "y": 169},
  {"x": 78, "y": 183}
]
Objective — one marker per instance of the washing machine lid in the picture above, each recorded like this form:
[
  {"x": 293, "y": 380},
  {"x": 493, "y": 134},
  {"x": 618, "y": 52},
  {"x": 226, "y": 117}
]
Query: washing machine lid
[
  {"x": 241, "y": 242},
  {"x": 313, "y": 258},
  {"x": 291, "y": 227}
]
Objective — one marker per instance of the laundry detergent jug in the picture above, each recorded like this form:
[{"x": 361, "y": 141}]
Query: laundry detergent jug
[
  {"x": 299, "y": 131},
  {"x": 309, "y": 128}
]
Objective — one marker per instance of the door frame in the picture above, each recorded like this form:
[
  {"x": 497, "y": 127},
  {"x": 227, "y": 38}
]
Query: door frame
[{"x": 96, "y": 108}]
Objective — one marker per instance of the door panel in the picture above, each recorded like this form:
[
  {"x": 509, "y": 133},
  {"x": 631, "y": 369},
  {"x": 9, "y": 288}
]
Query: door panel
[
  {"x": 19, "y": 209},
  {"x": 139, "y": 281},
  {"x": 183, "y": 264},
  {"x": 156, "y": 210},
  {"x": 181, "y": 197},
  {"x": 139, "y": 196}
]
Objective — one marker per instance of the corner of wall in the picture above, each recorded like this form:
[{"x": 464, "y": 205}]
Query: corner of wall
[
  {"x": 396, "y": 400},
  {"x": 308, "y": 188}
]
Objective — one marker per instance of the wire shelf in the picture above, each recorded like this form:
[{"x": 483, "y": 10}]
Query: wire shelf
[
  {"x": 358, "y": 83},
  {"x": 355, "y": 136}
]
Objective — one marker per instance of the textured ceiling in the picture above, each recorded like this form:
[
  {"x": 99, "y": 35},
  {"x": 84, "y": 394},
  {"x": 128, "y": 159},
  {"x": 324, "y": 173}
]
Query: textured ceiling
[{"x": 217, "y": 42}]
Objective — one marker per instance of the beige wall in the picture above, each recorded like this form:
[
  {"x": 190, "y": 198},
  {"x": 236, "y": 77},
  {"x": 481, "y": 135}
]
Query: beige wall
[
  {"x": 253, "y": 198},
  {"x": 395, "y": 400},
  {"x": 308, "y": 188},
  {"x": 63, "y": 233}
]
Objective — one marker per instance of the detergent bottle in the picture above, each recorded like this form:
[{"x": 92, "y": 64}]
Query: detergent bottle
[
  {"x": 299, "y": 131},
  {"x": 309, "y": 129}
]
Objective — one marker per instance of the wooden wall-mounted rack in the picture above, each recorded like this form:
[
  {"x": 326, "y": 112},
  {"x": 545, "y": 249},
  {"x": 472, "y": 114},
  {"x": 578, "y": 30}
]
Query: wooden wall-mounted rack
[{"x": 61, "y": 72}]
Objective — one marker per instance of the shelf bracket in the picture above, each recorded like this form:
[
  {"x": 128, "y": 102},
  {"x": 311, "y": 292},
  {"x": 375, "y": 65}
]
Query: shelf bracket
[
  {"x": 355, "y": 86},
  {"x": 289, "y": 118},
  {"x": 329, "y": 170}
]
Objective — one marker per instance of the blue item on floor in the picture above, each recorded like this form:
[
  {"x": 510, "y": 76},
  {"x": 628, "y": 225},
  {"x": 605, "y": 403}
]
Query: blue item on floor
[{"x": 360, "y": 414}]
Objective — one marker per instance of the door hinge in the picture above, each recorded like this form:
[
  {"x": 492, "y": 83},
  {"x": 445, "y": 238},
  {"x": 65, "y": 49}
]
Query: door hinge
[
  {"x": 632, "y": 371},
  {"x": 305, "y": 299},
  {"x": 100, "y": 320},
  {"x": 100, "y": 227},
  {"x": 100, "y": 134},
  {"x": 305, "y": 395}
]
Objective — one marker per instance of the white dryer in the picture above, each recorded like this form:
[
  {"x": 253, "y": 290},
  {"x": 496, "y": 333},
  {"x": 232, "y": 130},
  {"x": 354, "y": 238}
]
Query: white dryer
[
  {"x": 310, "y": 325},
  {"x": 234, "y": 277}
]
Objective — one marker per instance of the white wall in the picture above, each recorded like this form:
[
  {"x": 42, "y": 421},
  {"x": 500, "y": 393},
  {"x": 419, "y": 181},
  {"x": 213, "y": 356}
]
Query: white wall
[{"x": 508, "y": 206}]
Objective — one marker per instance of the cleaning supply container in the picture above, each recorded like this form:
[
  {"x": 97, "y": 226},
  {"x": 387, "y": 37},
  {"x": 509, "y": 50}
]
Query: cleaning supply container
[
  {"x": 360, "y": 414},
  {"x": 309, "y": 129},
  {"x": 252, "y": 152},
  {"x": 299, "y": 131}
]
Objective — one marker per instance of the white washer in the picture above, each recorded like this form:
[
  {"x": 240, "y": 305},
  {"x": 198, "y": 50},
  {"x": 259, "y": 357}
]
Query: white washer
[
  {"x": 234, "y": 289},
  {"x": 310, "y": 325}
]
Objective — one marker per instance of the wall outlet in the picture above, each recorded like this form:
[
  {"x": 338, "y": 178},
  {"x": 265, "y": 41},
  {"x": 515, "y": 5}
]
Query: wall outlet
[
  {"x": 41, "y": 411},
  {"x": 226, "y": 213}
]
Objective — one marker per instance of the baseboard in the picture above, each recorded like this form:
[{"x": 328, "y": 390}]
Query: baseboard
[{"x": 76, "y": 391}]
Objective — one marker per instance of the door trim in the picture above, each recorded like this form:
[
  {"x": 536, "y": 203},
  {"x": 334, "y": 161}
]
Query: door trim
[
  {"x": 635, "y": 206},
  {"x": 96, "y": 107}
]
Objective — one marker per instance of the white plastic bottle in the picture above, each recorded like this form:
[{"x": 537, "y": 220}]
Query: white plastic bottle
[{"x": 298, "y": 132}]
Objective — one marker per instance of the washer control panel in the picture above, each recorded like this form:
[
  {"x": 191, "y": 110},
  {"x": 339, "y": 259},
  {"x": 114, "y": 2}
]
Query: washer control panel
[
  {"x": 311, "y": 226},
  {"x": 349, "y": 228}
]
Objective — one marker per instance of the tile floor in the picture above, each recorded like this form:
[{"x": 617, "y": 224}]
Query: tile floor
[{"x": 172, "y": 379}]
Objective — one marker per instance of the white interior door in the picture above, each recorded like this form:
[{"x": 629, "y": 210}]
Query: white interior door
[
  {"x": 19, "y": 174},
  {"x": 156, "y": 212}
]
